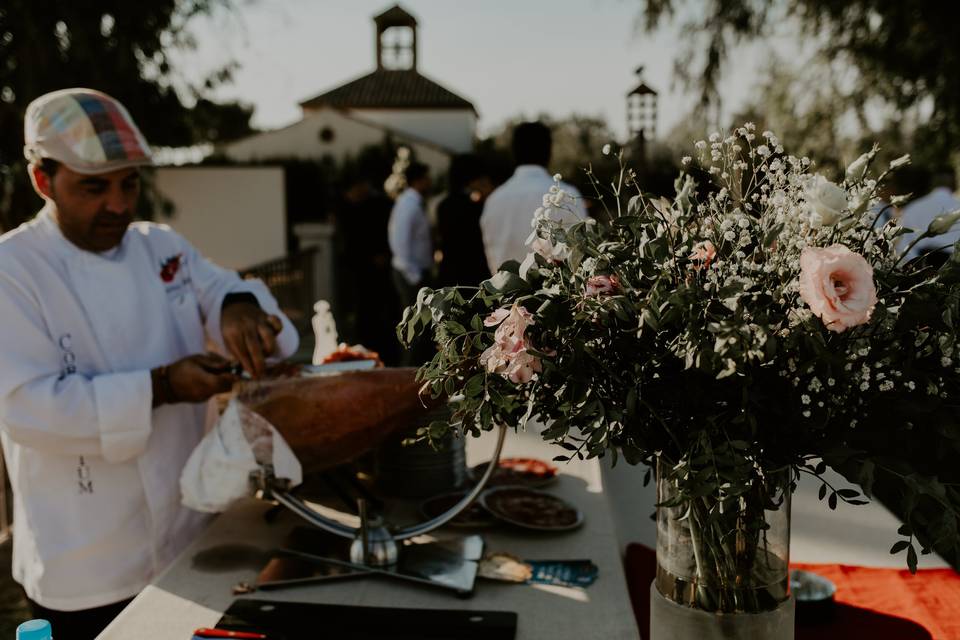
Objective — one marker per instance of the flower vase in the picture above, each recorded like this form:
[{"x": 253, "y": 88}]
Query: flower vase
[{"x": 722, "y": 565}]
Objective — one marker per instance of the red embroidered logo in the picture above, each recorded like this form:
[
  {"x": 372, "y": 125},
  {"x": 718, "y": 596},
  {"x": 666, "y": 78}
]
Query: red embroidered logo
[{"x": 169, "y": 268}]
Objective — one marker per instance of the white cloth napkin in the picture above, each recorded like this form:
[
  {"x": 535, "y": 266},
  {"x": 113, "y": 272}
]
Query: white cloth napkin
[{"x": 218, "y": 471}]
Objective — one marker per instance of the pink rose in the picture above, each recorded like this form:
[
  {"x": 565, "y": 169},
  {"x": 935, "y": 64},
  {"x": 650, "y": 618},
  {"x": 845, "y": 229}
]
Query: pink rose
[
  {"x": 837, "y": 285},
  {"x": 496, "y": 317},
  {"x": 703, "y": 254},
  {"x": 509, "y": 355},
  {"x": 522, "y": 367},
  {"x": 602, "y": 285}
]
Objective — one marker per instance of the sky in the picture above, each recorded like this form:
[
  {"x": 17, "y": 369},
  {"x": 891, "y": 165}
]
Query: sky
[{"x": 508, "y": 57}]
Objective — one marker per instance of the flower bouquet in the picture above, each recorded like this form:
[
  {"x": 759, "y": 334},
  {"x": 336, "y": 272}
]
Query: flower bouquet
[{"x": 760, "y": 325}]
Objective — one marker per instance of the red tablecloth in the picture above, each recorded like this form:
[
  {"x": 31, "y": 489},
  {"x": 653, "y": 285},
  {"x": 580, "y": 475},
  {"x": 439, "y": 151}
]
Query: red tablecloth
[{"x": 878, "y": 604}]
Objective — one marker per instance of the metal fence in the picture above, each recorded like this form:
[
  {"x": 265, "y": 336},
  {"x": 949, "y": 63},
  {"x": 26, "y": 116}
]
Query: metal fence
[{"x": 297, "y": 282}]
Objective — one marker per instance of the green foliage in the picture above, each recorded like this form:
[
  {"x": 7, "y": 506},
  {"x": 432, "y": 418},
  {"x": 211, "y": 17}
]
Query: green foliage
[
  {"x": 903, "y": 51},
  {"x": 631, "y": 336}
]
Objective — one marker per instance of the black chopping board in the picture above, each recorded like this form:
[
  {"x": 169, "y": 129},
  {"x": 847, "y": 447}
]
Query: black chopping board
[{"x": 306, "y": 621}]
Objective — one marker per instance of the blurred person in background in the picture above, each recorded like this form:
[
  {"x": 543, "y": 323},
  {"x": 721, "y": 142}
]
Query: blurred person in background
[
  {"x": 410, "y": 242},
  {"x": 459, "y": 239},
  {"x": 365, "y": 277},
  {"x": 920, "y": 213},
  {"x": 508, "y": 212}
]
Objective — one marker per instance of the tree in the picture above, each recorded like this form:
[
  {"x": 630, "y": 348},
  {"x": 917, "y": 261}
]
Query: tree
[
  {"x": 116, "y": 46},
  {"x": 903, "y": 53}
]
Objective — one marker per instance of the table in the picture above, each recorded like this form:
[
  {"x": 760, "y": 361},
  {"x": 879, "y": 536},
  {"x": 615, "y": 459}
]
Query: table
[{"x": 185, "y": 597}]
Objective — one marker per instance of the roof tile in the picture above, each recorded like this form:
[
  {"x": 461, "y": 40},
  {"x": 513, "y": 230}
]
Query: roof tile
[{"x": 389, "y": 88}]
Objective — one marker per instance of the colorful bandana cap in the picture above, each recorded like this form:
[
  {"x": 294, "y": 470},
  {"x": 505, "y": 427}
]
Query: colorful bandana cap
[{"x": 86, "y": 130}]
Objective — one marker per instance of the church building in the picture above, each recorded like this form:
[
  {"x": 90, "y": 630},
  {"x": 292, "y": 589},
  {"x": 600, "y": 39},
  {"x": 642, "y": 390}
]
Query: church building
[{"x": 394, "y": 100}]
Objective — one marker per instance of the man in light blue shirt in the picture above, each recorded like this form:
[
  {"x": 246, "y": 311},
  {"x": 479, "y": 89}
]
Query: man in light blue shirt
[
  {"x": 920, "y": 213},
  {"x": 411, "y": 245}
]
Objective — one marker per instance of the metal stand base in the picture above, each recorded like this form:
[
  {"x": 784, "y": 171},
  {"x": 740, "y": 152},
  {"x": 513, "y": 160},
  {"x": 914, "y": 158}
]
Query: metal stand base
[
  {"x": 378, "y": 550},
  {"x": 449, "y": 564}
]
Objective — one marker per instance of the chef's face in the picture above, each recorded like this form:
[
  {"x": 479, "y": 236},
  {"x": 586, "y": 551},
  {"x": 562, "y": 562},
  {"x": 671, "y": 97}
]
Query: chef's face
[{"x": 93, "y": 211}]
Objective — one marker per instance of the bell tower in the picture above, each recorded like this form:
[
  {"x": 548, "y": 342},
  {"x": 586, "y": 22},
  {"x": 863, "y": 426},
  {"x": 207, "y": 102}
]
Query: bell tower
[
  {"x": 396, "y": 40},
  {"x": 642, "y": 109}
]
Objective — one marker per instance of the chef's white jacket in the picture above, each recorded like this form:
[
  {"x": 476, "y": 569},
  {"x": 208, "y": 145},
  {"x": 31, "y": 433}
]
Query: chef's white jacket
[
  {"x": 95, "y": 471},
  {"x": 508, "y": 213}
]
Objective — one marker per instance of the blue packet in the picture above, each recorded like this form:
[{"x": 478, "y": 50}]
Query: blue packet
[{"x": 563, "y": 573}]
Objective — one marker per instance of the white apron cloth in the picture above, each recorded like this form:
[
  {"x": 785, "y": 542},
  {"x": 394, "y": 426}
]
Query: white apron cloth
[
  {"x": 218, "y": 471},
  {"x": 94, "y": 469}
]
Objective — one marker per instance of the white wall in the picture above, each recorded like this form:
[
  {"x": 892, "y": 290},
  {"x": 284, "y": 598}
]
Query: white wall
[
  {"x": 302, "y": 140},
  {"x": 235, "y": 216},
  {"x": 452, "y": 129}
]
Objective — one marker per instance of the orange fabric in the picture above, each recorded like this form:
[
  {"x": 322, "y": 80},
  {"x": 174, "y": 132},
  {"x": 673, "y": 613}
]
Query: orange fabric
[
  {"x": 879, "y": 604},
  {"x": 931, "y": 598}
]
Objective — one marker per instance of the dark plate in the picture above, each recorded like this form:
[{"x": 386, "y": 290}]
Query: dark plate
[
  {"x": 506, "y": 476},
  {"x": 531, "y": 509},
  {"x": 473, "y": 517}
]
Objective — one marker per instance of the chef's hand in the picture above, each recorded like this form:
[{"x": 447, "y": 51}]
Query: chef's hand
[
  {"x": 192, "y": 379},
  {"x": 250, "y": 335}
]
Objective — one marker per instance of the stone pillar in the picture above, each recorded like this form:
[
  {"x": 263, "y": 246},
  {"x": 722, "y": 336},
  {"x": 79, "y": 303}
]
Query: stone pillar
[{"x": 319, "y": 237}]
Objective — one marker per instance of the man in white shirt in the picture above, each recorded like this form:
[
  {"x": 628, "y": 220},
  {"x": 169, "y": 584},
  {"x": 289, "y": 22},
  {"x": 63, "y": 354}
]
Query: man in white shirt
[
  {"x": 920, "y": 213},
  {"x": 103, "y": 375},
  {"x": 508, "y": 212},
  {"x": 412, "y": 247}
]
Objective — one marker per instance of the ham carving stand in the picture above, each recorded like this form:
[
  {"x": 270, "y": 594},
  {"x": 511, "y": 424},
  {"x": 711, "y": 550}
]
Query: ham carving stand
[{"x": 376, "y": 549}]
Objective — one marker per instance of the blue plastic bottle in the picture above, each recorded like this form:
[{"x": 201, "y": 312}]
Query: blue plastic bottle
[{"x": 34, "y": 630}]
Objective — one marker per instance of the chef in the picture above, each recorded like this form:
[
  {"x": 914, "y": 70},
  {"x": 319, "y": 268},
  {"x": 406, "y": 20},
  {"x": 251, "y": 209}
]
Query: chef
[{"x": 103, "y": 375}]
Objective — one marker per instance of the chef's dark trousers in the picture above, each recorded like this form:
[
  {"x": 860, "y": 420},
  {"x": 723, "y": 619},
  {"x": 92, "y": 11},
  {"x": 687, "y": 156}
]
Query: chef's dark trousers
[
  {"x": 85, "y": 624},
  {"x": 422, "y": 350}
]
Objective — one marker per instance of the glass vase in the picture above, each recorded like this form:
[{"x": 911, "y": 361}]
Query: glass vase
[{"x": 730, "y": 557}]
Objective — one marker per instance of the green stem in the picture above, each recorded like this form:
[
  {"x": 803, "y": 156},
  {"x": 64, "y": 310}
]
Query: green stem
[{"x": 704, "y": 599}]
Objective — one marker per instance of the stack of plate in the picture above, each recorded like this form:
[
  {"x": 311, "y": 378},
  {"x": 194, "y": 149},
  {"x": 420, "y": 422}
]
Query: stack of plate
[{"x": 418, "y": 470}]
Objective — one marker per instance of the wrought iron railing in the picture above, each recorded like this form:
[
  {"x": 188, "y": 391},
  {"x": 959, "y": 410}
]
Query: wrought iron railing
[{"x": 292, "y": 281}]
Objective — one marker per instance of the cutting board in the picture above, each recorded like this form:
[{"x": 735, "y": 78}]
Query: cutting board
[{"x": 307, "y": 621}]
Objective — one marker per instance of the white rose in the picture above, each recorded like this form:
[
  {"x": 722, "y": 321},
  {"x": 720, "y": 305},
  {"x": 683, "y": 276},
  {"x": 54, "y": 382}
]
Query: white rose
[
  {"x": 553, "y": 253},
  {"x": 826, "y": 199}
]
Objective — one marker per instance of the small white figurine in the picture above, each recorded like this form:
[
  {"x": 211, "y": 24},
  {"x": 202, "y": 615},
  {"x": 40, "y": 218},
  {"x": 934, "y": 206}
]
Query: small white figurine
[{"x": 324, "y": 330}]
